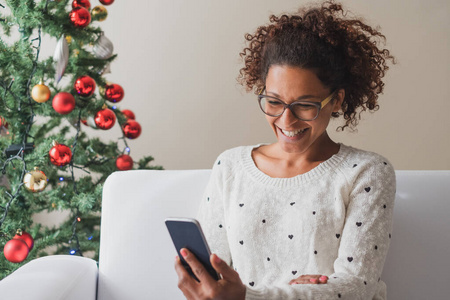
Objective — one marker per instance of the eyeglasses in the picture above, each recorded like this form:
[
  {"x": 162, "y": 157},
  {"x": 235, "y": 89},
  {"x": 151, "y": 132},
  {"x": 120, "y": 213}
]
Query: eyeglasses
[{"x": 303, "y": 110}]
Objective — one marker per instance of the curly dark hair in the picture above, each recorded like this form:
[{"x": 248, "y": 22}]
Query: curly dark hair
[{"x": 342, "y": 52}]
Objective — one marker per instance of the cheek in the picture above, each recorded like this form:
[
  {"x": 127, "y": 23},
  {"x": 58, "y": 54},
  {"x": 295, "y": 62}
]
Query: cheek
[
  {"x": 270, "y": 120},
  {"x": 321, "y": 123}
]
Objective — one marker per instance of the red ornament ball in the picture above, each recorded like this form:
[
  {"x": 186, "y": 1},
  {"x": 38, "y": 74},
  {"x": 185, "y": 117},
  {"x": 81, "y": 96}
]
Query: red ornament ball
[
  {"x": 60, "y": 155},
  {"x": 105, "y": 119},
  {"x": 63, "y": 103},
  {"x": 80, "y": 17},
  {"x": 85, "y": 86},
  {"x": 81, "y": 3},
  {"x": 16, "y": 250},
  {"x": 3, "y": 123},
  {"x": 124, "y": 162},
  {"x": 114, "y": 92},
  {"x": 27, "y": 238},
  {"x": 131, "y": 129},
  {"x": 128, "y": 114},
  {"x": 106, "y": 2}
]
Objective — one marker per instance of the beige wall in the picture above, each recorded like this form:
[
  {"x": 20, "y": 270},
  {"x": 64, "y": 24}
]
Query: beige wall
[{"x": 178, "y": 61}]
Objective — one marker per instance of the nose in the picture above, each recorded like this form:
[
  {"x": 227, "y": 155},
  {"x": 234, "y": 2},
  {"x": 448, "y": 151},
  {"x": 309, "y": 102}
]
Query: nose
[{"x": 287, "y": 118}]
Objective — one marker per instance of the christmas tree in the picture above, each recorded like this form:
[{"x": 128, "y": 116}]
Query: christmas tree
[{"x": 47, "y": 160}]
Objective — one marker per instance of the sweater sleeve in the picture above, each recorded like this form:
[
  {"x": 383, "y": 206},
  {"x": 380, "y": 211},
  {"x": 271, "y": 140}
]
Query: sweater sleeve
[
  {"x": 364, "y": 242},
  {"x": 211, "y": 212}
]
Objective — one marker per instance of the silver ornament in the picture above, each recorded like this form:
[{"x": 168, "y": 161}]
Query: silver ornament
[
  {"x": 91, "y": 122},
  {"x": 61, "y": 57},
  {"x": 103, "y": 48},
  {"x": 106, "y": 69}
]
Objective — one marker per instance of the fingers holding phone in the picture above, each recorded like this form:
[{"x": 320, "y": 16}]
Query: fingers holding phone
[
  {"x": 187, "y": 233},
  {"x": 198, "y": 271},
  {"x": 197, "y": 267},
  {"x": 229, "y": 287}
]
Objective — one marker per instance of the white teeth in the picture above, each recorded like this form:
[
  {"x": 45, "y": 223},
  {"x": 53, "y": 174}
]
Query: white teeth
[{"x": 292, "y": 133}]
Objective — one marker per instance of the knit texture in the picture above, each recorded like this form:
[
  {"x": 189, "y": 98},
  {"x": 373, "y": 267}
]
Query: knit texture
[{"x": 334, "y": 220}]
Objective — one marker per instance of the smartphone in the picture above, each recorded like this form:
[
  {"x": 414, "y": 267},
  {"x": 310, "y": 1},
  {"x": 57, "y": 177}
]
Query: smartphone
[{"x": 187, "y": 233}]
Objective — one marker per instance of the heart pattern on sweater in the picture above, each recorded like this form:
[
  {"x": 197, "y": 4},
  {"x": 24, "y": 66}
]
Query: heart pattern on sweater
[
  {"x": 350, "y": 259},
  {"x": 290, "y": 236},
  {"x": 294, "y": 272}
]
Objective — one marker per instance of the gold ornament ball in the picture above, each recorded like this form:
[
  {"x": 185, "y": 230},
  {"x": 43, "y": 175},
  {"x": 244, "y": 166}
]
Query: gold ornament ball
[
  {"x": 40, "y": 93},
  {"x": 35, "y": 181},
  {"x": 99, "y": 13}
]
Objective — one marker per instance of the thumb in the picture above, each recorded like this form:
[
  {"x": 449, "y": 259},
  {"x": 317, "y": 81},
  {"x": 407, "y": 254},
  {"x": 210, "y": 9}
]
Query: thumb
[{"x": 223, "y": 268}]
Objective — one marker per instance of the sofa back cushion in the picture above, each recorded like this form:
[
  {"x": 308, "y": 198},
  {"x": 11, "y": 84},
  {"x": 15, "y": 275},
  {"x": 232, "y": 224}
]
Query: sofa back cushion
[{"x": 136, "y": 253}]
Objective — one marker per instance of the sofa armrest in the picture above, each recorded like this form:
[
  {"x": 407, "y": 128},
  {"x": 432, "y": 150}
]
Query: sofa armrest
[{"x": 54, "y": 277}]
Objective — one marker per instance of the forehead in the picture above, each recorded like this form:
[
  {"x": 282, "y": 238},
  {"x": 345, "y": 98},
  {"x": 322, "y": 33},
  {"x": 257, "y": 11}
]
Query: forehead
[{"x": 292, "y": 82}]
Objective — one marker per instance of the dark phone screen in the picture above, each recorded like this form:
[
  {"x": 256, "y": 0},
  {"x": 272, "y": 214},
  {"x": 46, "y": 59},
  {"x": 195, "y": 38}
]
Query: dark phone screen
[{"x": 186, "y": 234}]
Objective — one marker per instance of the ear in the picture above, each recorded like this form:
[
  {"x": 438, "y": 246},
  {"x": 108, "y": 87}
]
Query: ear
[{"x": 339, "y": 99}]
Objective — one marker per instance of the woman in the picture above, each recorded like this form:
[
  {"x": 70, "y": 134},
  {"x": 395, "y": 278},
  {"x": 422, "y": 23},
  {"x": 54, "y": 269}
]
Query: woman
[{"x": 305, "y": 217}]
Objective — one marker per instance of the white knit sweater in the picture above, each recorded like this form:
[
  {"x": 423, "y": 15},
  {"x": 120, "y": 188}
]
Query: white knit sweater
[{"x": 334, "y": 220}]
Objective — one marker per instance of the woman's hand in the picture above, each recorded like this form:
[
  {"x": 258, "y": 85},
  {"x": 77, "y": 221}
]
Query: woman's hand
[
  {"x": 310, "y": 279},
  {"x": 229, "y": 287}
]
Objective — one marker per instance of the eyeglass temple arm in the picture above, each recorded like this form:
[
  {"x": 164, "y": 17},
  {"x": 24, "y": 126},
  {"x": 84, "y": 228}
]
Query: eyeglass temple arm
[
  {"x": 328, "y": 99},
  {"x": 262, "y": 90}
]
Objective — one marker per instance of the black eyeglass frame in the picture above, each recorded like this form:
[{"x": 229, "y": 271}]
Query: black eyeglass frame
[{"x": 319, "y": 105}]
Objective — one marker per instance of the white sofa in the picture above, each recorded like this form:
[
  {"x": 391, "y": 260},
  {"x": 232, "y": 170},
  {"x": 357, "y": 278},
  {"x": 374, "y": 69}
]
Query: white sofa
[{"x": 137, "y": 255}]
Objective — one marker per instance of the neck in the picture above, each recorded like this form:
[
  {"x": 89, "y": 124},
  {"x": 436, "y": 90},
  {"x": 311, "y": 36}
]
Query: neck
[{"x": 322, "y": 149}]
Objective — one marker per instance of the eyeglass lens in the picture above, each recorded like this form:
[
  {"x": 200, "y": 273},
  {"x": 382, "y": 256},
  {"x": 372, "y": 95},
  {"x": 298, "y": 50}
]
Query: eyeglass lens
[{"x": 301, "y": 110}]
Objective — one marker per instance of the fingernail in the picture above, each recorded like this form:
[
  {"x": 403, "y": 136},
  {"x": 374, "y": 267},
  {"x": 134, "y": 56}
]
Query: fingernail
[
  {"x": 217, "y": 259},
  {"x": 313, "y": 280},
  {"x": 323, "y": 278},
  {"x": 183, "y": 252},
  {"x": 177, "y": 258}
]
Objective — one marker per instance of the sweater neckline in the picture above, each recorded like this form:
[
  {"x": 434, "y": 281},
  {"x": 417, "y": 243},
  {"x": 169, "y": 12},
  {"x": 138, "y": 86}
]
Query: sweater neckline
[{"x": 317, "y": 172}]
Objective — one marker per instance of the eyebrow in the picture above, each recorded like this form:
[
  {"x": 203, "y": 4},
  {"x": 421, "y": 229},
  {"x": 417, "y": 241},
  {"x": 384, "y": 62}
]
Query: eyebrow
[{"x": 299, "y": 98}]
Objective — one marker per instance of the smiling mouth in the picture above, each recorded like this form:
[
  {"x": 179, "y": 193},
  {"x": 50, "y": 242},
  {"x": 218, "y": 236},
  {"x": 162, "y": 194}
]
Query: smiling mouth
[{"x": 293, "y": 133}]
